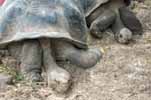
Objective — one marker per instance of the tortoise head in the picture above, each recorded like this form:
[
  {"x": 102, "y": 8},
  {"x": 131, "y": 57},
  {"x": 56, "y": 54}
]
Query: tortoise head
[{"x": 124, "y": 36}]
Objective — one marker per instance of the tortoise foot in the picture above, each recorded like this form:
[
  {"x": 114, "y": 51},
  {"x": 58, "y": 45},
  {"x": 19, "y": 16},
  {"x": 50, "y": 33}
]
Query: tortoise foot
[
  {"x": 59, "y": 80},
  {"x": 85, "y": 58}
]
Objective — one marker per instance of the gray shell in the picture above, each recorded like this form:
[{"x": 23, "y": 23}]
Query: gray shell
[
  {"x": 30, "y": 19},
  {"x": 91, "y": 5}
]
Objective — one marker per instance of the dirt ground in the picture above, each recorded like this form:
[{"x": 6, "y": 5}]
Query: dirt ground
[{"x": 124, "y": 72}]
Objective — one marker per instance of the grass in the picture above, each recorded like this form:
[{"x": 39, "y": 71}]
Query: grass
[{"x": 7, "y": 70}]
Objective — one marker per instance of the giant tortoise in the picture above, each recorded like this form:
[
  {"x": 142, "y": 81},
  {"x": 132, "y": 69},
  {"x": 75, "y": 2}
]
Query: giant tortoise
[
  {"x": 114, "y": 14},
  {"x": 39, "y": 32}
]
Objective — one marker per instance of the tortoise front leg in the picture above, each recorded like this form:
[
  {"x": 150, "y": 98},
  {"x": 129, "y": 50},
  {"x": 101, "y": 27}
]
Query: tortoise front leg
[
  {"x": 58, "y": 78},
  {"x": 131, "y": 21},
  {"x": 104, "y": 21},
  {"x": 84, "y": 58}
]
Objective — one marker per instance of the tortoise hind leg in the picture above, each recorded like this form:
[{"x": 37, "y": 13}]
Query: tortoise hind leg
[
  {"x": 82, "y": 58},
  {"x": 31, "y": 60},
  {"x": 99, "y": 25},
  {"x": 58, "y": 78}
]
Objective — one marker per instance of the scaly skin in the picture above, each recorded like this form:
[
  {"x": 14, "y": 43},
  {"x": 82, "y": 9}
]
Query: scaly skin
[
  {"x": 99, "y": 21},
  {"x": 82, "y": 58},
  {"x": 58, "y": 78}
]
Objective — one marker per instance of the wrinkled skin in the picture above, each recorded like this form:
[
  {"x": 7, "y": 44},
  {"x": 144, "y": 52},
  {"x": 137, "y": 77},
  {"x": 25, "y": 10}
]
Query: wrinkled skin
[
  {"x": 34, "y": 54},
  {"x": 116, "y": 16}
]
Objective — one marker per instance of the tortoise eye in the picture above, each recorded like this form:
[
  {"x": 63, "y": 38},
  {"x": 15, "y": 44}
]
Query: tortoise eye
[{"x": 120, "y": 36}]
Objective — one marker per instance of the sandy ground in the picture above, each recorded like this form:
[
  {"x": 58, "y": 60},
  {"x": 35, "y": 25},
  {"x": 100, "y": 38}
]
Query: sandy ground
[{"x": 124, "y": 72}]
